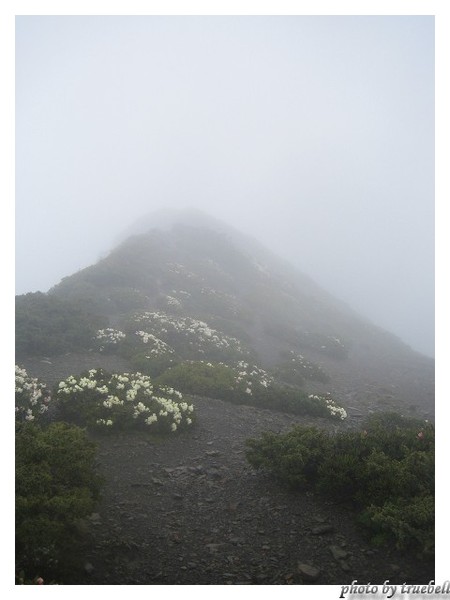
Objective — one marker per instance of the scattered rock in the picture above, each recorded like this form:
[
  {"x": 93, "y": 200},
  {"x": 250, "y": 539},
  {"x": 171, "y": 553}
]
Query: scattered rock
[
  {"x": 308, "y": 573},
  {"x": 322, "y": 529},
  {"x": 213, "y": 548},
  {"x": 338, "y": 552},
  {"x": 214, "y": 473},
  {"x": 212, "y": 453},
  {"x": 95, "y": 518},
  {"x": 88, "y": 568},
  {"x": 228, "y": 522}
]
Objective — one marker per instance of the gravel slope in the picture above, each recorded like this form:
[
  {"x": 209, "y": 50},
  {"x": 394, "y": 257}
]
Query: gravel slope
[{"x": 188, "y": 509}]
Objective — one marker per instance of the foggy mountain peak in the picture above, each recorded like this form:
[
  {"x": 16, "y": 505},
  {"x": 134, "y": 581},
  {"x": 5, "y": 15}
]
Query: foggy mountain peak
[{"x": 189, "y": 270}]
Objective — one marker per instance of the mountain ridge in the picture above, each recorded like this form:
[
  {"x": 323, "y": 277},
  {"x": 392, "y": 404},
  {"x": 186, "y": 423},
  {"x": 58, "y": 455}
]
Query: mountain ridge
[{"x": 187, "y": 265}]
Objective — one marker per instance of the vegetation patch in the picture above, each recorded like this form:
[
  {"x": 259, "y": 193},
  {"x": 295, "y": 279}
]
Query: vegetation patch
[
  {"x": 122, "y": 402},
  {"x": 295, "y": 368},
  {"x": 47, "y": 325},
  {"x": 189, "y": 337},
  {"x": 244, "y": 383},
  {"x": 56, "y": 486},
  {"x": 32, "y": 396},
  {"x": 385, "y": 470}
]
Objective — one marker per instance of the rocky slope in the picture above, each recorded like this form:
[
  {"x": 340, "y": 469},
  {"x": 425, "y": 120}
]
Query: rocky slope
[
  {"x": 187, "y": 266},
  {"x": 188, "y": 509}
]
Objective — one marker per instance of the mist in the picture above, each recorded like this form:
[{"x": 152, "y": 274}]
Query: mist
[{"x": 315, "y": 135}]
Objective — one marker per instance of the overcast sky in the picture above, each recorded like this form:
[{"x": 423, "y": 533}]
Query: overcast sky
[{"x": 313, "y": 134}]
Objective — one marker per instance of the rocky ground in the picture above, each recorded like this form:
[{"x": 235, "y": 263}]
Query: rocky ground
[{"x": 189, "y": 509}]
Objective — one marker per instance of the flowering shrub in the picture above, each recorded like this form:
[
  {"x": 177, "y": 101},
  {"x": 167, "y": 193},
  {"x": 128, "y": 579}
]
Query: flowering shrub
[
  {"x": 189, "y": 337},
  {"x": 335, "y": 411},
  {"x": 218, "y": 380},
  {"x": 386, "y": 470},
  {"x": 108, "y": 338},
  {"x": 252, "y": 377},
  {"x": 247, "y": 384},
  {"x": 32, "y": 397},
  {"x": 172, "y": 302},
  {"x": 156, "y": 346},
  {"x": 122, "y": 401}
]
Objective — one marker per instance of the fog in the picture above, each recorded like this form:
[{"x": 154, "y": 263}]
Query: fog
[{"x": 313, "y": 134}]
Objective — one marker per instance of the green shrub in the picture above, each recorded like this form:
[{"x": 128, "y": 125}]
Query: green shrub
[
  {"x": 295, "y": 368},
  {"x": 56, "y": 485},
  {"x": 247, "y": 384},
  {"x": 380, "y": 470},
  {"x": 152, "y": 365},
  {"x": 47, "y": 325},
  {"x": 408, "y": 523},
  {"x": 293, "y": 458},
  {"x": 202, "y": 379}
]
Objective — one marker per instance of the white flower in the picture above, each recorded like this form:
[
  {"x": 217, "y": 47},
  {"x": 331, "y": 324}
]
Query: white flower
[{"x": 103, "y": 389}]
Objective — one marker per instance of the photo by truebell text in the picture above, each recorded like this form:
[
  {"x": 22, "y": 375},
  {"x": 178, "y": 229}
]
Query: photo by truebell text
[{"x": 389, "y": 590}]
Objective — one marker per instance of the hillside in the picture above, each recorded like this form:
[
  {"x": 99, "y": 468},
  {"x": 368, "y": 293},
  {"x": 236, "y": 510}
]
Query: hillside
[
  {"x": 188, "y": 269},
  {"x": 254, "y": 346}
]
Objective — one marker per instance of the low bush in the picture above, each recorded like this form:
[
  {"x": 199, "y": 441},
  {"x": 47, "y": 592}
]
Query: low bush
[
  {"x": 247, "y": 384},
  {"x": 295, "y": 368},
  {"x": 292, "y": 458},
  {"x": 47, "y": 325},
  {"x": 152, "y": 365},
  {"x": 56, "y": 485},
  {"x": 202, "y": 379},
  {"x": 385, "y": 470}
]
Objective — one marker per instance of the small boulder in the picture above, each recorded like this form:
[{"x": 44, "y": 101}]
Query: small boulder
[
  {"x": 338, "y": 553},
  {"x": 308, "y": 573},
  {"x": 322, "y": 529}
]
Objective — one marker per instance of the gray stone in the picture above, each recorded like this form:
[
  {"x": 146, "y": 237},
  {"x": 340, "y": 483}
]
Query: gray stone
[
  {"x": 338, "y": 553},
  {"x": 95, "y": 518},
  {"x": 212, "y": 453},
  {"x": 214, "y": 473},
  {"x": 88, "y": 567},
  {"x": 308, "y": 572},
  {"x": 322, "y": 529},
  {"x": 213, "y": 548}
]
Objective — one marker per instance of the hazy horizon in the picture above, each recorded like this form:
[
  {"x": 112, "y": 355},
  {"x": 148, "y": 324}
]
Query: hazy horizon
[{"x": 315, "y": 135}]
